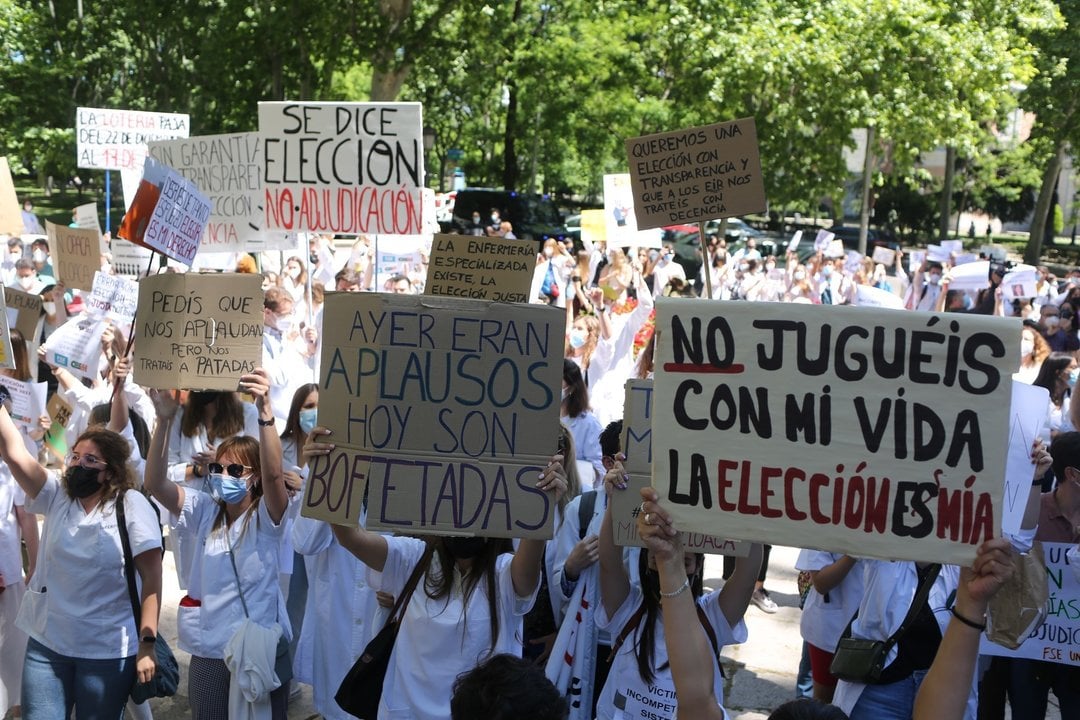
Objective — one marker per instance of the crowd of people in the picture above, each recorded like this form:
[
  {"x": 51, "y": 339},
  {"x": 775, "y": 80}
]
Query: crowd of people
[{"x": 606, "y": 631}]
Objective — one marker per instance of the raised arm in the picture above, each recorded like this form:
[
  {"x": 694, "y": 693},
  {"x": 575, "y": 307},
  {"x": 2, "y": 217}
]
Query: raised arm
[
  {"x": 614, "y": 581},
  {"x": 24, "y": 467},
  {"x": 118, "y": 413},
  {"x": 944, "y": 692},
  {"x": 688, "y": 652},
  {"x": 735, "y": 596},
  {"x": 155, "y": 475},
  {"x": 276, "y": 497},
  {"x": 525, "y": 567}
]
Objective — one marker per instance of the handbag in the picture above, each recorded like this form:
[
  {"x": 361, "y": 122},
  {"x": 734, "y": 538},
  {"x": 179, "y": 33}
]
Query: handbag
[
  {"x": 282, "y": 661},
  {"x": 167, "y": 674},
  {"x": 861, "y": 660},
  {"x": 361, "y": 689}
]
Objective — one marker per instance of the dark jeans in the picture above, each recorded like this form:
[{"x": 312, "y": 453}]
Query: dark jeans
[{"x": 1030, "y": 684}]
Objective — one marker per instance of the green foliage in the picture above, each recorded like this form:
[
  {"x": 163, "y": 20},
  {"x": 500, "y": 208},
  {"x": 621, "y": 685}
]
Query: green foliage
[{"x": 1059, "y": 219}]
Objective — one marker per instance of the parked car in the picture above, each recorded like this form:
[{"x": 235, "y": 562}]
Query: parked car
[{"x": 533, "y": 217}]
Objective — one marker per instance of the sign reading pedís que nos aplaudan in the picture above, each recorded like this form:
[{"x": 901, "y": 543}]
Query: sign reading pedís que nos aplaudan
[
  {"x": 636, "y": 445},
  {"x": 859, "y": 430},
  {"x": 696, "y": 174},
  {"x": 349, "y": 168},
  {"x": 445, "y": 409},
  {"x": 198, "y": 331}
]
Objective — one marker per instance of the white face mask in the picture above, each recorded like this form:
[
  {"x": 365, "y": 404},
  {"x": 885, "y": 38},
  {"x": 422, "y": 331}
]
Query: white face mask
[
  {"x": 548, "y": 252},
  {"x": 284, "y": 324},
  {"x": 40, "y": 256},
  {"x": 49, "y": 308},
  {"x": 799, "y": 275},
  {"x": 1051, "y": 322},
  {"x": 293, "y": 273},
  {"x": 935, "y": 279},
  {"x": 1026, "y": 347},
  {"x": 26, "y": 282}
]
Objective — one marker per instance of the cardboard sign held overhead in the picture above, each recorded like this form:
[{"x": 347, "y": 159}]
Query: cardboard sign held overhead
[
  {"x": 27, "y": 400},
  {"x": 11, "y": 221},
  {"x": 168, "y": 214},
  {"x": 637, "y": 447},
  {"x": 7, "y": 354},
  {"x": 114, "y": 298},
  {"x": 198, "y": 332},
  {"x": 875, "y": 432},
  {"x": 593, "y": 229},
  {"x": 446, "y": 410},
  {"x": 482, "y": 268},
  {"x": 884, "y": 256},
  {"x": 226, "y": 168},
  {"x": 342, "y": 167},
  {"x": 23, "y": 312},
  {"x": 76, "y": 345},
  {"x": 77, "y": 253},
  {"x": 620, "y": 219},
  {"x": 697, "y": 174}
]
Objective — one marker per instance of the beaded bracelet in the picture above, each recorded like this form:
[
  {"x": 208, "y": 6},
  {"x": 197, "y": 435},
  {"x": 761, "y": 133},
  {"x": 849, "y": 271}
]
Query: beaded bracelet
[{"x": 682, "y": 588}]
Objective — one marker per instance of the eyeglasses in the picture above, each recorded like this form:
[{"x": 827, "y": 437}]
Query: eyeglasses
[
  {"x": 84, "y": 460},
  {"x": 236, "y": 470}
]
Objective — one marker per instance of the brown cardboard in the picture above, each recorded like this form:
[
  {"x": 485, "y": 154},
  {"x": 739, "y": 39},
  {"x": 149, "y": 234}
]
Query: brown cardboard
[
  {"x": 11, "y": 221},
  {"x": 28, "y": 307},
  {"x": 696, "y": 174},
  {"x": 7, "y": 357},
  {"x": 78, "y": 255},
  {"x": 482, "y": 268},
  {"x": 425, "y": 412},
  {"x": 196, "y": 331}
]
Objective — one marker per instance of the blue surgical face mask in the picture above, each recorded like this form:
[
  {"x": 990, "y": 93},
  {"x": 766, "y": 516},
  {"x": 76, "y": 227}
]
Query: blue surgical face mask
[
  {"x": 1074, "y": 375},
  {"x": 578, "y": 338},
  {"x": 307, "y": 419},
  {"x": 227, "y": 488}
]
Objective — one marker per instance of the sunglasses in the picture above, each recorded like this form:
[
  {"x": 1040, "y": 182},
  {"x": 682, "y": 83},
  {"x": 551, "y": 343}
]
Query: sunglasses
[{"x": 236, "y": 470}]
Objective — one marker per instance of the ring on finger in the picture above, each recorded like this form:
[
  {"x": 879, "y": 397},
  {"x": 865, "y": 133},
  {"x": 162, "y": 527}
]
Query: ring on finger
[{"x": 647, "y": 516}]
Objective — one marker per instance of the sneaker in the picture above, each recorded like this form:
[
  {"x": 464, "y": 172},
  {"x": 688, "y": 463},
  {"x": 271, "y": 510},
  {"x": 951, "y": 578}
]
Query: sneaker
[{"x": 763, "y": 601}]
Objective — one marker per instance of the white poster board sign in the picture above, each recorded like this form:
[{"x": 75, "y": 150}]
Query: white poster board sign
[{"x": 116, "y": 139}]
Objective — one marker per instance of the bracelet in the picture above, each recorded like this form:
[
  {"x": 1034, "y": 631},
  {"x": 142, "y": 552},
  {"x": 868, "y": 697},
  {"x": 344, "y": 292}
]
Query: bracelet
[
  {"x": 266, "y": 423},
  {"x": 682, "y": 588},
  {"x": 148, "y": 639},
  {"x": 969, "y": 623}
]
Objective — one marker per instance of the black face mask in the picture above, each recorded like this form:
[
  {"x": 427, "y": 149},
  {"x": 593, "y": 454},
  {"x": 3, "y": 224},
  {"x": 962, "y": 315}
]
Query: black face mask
[
  {"x": 464, "y": 548},
  {"x": 314, "y": 258},
  {"x": 82, "y": 482}
]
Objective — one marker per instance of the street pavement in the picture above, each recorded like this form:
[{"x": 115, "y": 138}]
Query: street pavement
[{"x": 760, "y": 673}]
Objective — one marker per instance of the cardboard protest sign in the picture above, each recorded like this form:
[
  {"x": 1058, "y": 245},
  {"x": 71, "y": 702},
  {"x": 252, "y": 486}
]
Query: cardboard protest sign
[
  {"x": 915, "y": 259},
  {"x": 1058, "y": 639},
  {"x": 113, "y": 298},
  {"x": 7, "y": 353},
  {"x": 116, "y": 139},
  {"x": 696, "y": 174},
  {"x": 868, "y": 431},
  {"x": 59, "y": 412},
  {"x": 593, "y": 228},
  {"x": 853, "y": 261},
  {"x": 884, "y": 256},
  {"x": 168, "y": 214},
  {"x": 637, "y": 447},
  {"x": 27, "y": 400},
  {"x": 869, "y": 296},
  {"x": 86, "y": 217},
  {"x": 445, "y": 409},
  {"x": 1020, "y": 282},
  {"x": 77, "y": 253},
  {"x": 793, "y": 244},
  {"x": 131, "y": 260},
  {"x": 198, "y": 332},
  {"x": 342, "y": 167},
  {"x": 76, "y": 345},
  {"x": 225, "y": 168},
  {"x": 620, "y": 219},
  {"x": 11, "y": 221},
  {"x": 23, "y": 312},
  {"x": 1027, "y": 416},
  {"x": 483, "y": 268},
  {"x": 937, "y": 253},
  {"x": 835, "y": 249},
  {"x": 823, "y": 240}
]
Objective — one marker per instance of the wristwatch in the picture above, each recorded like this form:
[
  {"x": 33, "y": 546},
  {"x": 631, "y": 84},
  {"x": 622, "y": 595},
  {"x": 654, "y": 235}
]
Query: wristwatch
[{"x": 266, "y": 423}]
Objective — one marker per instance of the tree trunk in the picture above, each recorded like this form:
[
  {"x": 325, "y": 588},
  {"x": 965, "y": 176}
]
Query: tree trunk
[
  {"x": 868, "y": 171},
  {"x": 1039, "y": 220},
  {"x": 946, "y": 194},
  {"x": 386, "y": 84},
  {"x": 511, "y": 171}
]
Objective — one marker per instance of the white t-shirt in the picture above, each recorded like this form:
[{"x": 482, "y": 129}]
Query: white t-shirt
[
  {"x": 825, "y": 617},
  {"x": 625, "y": 694},
  {"x": 204, "y": 630},
  {"x": 10, "y": 549},
  {"x": 586, "y": 429},
  {"x": 440, "y": 639},
  {"x": 78, "y": 603}
]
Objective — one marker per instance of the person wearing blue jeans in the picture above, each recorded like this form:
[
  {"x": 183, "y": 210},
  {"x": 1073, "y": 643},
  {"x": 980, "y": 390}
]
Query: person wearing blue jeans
[{"x": 53, "y": 684}]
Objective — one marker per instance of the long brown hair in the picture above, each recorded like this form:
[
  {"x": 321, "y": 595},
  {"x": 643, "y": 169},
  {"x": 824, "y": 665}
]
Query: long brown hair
[
  {"x": 228, "y": 420},
  {"x": 645, "y": 637},
  {"x": 115, "y": 452},
  {"x": 577, "y": 401},
  {"x": 440, "y": 584},
  {"x": 21, "y": 371},
  {"x": 246, "y": 450}
]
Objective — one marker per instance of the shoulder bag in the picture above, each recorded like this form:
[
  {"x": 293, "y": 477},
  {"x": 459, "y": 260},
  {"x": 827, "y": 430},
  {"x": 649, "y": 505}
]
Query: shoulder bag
[
  {"x": 361, "y": 690},
  {"x": 167, "y": 675},
  {"x": 860, "y": 660}
]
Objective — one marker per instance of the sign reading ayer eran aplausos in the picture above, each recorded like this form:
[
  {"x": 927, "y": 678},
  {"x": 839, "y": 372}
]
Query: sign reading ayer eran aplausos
[
  {"x": 859, "y": 430},
  {"x": 445, "y": 409},
  {"x": 696, "y": 174}
]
